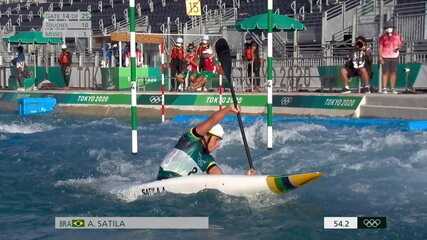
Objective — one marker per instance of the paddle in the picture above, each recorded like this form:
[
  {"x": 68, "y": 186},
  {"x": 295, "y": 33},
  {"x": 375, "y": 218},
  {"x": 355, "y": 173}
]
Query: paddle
[{"x": 223, "y": 52}]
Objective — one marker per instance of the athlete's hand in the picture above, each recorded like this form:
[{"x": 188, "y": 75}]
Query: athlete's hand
[
  {"x": 232, "y": 109},
  {"x": 381, "y": 60},
  {"x": 251, "y": 172}
]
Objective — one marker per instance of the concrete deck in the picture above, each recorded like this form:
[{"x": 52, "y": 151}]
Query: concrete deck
[{"x": 409, "y": 106}]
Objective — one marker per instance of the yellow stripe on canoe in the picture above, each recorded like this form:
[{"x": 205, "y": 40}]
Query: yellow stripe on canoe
[{"x": 298, "y": 180}]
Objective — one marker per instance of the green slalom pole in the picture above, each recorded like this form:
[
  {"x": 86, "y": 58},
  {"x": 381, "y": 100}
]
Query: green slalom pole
[
  {"x": 270, "y": 76},
  {"x": 133, "y": 108}
]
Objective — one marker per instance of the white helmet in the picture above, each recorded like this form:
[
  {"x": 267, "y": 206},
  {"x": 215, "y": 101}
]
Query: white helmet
[
  {"x": 179, "y": 40},
  {"x": 217, "y": 131},
  {"x": 205, "y": 39},
  {"x": 63, "y": 46}
]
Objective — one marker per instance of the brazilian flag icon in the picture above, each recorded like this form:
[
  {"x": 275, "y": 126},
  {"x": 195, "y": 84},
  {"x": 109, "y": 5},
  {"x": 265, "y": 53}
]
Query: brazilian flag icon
[{"x": 78, "y": 223}]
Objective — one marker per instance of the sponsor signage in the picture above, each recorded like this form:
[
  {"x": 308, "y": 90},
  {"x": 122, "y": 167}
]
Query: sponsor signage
[
  {"x": 325, "y": 102},
  {"x": 294, "y": 101}
]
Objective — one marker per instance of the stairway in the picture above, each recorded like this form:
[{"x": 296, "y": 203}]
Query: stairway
[
  {"x": 211, "y": 22},
  {"x": 214, "y": 21},
  {"x": 395, "y": 106}
]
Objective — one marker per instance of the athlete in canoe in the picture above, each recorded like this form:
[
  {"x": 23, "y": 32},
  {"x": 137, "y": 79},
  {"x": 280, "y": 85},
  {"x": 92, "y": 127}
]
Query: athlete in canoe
[{"x": 192, "y": 153}]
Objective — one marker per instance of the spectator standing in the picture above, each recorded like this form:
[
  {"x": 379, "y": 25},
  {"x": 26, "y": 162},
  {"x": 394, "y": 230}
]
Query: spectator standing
[
  {"x": 208, "y": 72},
  {"x": 177, "y": 62},
  {"x": 359, "y": 64},
  {"x": 390, "y": 43},
  {"x": 110, "y": 56},
  {"x": 208, "y": 61},
  {"x": 115, "y": 54},
  {"x": 126, "y": 56},
  {"x": 19, "y": 64},
  {"x": 247, "y": 52},
  {"x": 254, "y": 63},
  {"x": 191, "y": 67},
  {"x": 191, "y": 59},
  {"x": 139, "y": 57},
  {"x": 210, "y": 67},
  {"x": 106, "y": 55},
  {"x": 64, "y": 61},
  {"x": 204, "y": 44}
]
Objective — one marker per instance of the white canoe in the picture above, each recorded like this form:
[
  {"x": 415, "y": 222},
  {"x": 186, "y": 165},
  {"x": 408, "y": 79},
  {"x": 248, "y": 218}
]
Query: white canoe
[{"x": 235, "y": 185}]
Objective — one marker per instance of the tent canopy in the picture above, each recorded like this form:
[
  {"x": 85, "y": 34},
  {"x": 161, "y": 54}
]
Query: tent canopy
[
  {"x": 259, "y": 22},
  {"x": 32, "y": 37}
]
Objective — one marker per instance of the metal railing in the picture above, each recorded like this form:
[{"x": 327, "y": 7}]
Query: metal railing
[
  {"x": 279, "y": 44},
  {"x": 368, "y": 8},
  {"x": 339, "y": 36},
  {"x": 412, "y": 27},
  {"x": 123, "y": 25},
  {"x": 212, "y": 19},
  {"x": 338, "y": 19},
  {"x": 338, "y": 9},
  {"x": 411, "y": 8}
]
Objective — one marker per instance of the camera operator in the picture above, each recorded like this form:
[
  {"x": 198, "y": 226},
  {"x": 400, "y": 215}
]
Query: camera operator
[{"x": 359, "y": 64}]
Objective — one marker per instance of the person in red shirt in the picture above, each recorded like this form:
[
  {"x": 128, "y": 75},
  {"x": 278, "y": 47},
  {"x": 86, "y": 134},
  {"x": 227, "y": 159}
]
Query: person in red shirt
[
  {"x": 208, "y": 71},
  {"x": 390, "y": 43},
  {"x": 177, "y": 62},
  {"x": 191, "y": 59},
  {"x": 139, "y": 57},
  {"x": 208, "y": 61},
  {"x": 251, "y": 54},
  {"x": 204, "y": 44},
  {"x": 64, "y": 61},
  {"x": 139, "y": 60},
  {"x": 191, "y": 67}
]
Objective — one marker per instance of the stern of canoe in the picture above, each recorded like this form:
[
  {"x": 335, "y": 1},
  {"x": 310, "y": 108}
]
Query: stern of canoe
[{"x": 284, "y": 184}]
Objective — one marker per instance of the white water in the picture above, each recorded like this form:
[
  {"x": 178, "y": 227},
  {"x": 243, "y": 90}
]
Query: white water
[
  {"x": 25, "y": 128},
  {"x": 72, "y": 167}
]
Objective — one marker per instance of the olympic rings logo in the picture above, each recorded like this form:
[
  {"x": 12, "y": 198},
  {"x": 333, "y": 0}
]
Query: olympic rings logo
[
  {"x": 285, "y": 101},
  {"x": 155, "y": 99},
  {"x": 371, "y": 223}
]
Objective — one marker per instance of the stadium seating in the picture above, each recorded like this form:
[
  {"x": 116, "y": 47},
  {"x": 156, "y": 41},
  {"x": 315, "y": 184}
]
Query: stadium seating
[
  {"x": 173, "y": 9},
  {"x": 103, "y": 10}
]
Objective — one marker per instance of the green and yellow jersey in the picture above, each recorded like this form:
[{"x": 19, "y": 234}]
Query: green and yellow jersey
[{"x": 188, "y": 157}]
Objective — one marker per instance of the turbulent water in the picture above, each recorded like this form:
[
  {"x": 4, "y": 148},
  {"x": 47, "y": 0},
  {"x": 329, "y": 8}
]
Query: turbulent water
[{"x": 56, "y": 166}]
